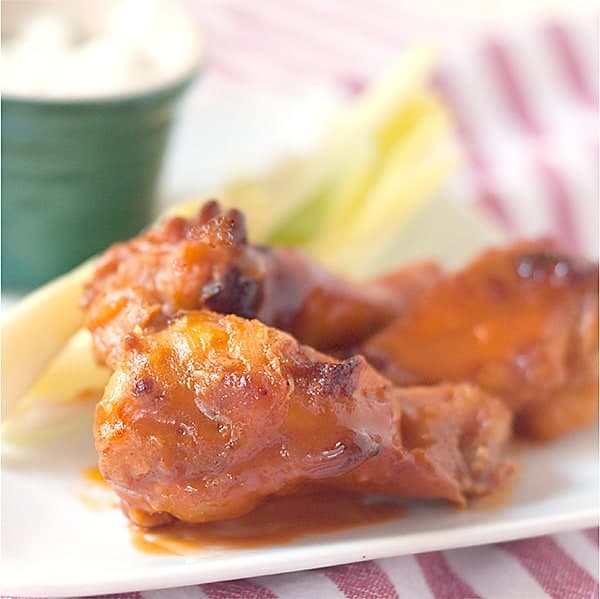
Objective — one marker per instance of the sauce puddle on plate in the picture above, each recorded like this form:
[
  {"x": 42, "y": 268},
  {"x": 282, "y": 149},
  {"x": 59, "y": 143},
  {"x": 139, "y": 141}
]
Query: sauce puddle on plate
[
  {"x": 277, "y": 521},
  {"x": 92, "y": 475},
  {"x": 498, "y": 498},
  {"x": 96, "y": 494}
]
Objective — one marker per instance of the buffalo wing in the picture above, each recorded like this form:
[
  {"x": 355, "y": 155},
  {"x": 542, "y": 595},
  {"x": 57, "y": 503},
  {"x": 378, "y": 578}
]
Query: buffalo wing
[
  {"x": 207, "y": 417},
  {"x": 207, "y": 262},
  {"x": 521, "y": 322}
]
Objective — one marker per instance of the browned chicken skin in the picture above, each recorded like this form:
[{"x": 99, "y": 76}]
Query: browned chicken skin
[
  {"x": 209, "y": 413},
  {"x": 207, "y": 262},
  {"x": 206, "y": 418},
  {"x": 520, "y": 322}
]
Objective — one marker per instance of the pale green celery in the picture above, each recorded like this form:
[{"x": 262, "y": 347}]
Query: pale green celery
[
  {"x": 46, "y": 420},
  {"x": 303, "y": 224}
]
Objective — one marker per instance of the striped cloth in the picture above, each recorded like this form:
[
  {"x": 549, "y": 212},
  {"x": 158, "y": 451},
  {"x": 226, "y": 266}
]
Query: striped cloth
[
  {"x": 525, "y": 99},
  {"x": 526, "y": 105}
]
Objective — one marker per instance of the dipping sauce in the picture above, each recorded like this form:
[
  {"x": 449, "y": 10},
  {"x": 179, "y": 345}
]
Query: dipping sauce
[
  {"x": 133, "y": 44},
  {"x": 277, "y": 521}
]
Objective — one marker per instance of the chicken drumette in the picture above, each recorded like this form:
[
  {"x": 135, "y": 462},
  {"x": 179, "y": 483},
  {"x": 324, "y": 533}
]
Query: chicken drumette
[
  {"x": 207, "y": 262},
  {"x": 207, "y": 417},
  {"x": 521, "y": 322},
  {"x": 208, "y": 413}
]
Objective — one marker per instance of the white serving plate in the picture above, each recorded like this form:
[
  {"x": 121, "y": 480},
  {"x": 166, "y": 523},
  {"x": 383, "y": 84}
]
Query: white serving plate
[{"x": 53, "y": 544}]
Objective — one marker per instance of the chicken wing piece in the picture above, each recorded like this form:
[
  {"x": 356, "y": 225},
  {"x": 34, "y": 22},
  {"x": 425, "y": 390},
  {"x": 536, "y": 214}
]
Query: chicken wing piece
[
  {"x": 207, "y": 262},
  {"x": 410, "y": 281},
  {"x": 209, "y": 416},
  {"x": 521, "y": 322}
]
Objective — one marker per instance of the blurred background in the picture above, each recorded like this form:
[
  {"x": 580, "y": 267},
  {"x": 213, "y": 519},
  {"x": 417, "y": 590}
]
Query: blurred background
[{"x": 247, "y": 85}]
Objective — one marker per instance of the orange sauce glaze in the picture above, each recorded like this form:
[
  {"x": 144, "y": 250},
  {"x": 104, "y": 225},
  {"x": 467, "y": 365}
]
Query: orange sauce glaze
[
  {"x": 96, "y": 494},
  {"x": 92, "y": 475},
  {"x": 277, "y": 521},
  {"x": 497, "y": 499}
]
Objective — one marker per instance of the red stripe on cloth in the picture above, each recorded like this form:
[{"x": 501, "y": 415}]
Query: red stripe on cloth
[
  {"x": 444, "y": 85},
  {"x": 334, "y": 42},
  {"x": 236, "y": 589},
  {"x": 442, "y": 581},
  {"x": 561, "y": 43},
  {"x": 226, "y": 70},
  {"x": 131, "y": 595},
  {"x": 554, "y": 569},
  {"x": 593, "y": 535},
  {"x": 561, "y": 206},
  {"x": 493, "y": 205},
  {"x": 559, "y": 201},
  {"x": 226, "y": 54},
  {"x": 482, "y": 178},
  {"x": 249, "y": 46},
  {"x": 387, "y": 31},
  {"x": 363, "y": 579},
  {"x": 499, "y": 59},
  {"x": 284, "y": 35}
]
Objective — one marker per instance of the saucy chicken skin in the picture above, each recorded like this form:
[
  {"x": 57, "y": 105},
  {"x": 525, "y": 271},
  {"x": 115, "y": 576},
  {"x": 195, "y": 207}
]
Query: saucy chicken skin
[
  {"x": 207, "y": 262},
  {"x": 209, "y": 416},
  {"x": 221, "y": 396},
  {"x": 520, "y": 322}
]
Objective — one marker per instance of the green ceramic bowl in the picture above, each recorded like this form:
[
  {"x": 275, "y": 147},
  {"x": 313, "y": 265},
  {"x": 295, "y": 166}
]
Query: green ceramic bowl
[{"x": 78, "y": 175}]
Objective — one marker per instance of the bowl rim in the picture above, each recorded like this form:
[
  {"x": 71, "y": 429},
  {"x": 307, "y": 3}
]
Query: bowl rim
[
  {"x": 176, "y": 81},
  {"x": 156, "y": 91}
]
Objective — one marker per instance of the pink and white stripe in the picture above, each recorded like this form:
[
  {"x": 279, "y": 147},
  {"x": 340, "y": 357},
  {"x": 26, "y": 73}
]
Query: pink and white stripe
[
  {"x": 562, "y": 566},
  {"x": 526, "y": 101}
]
